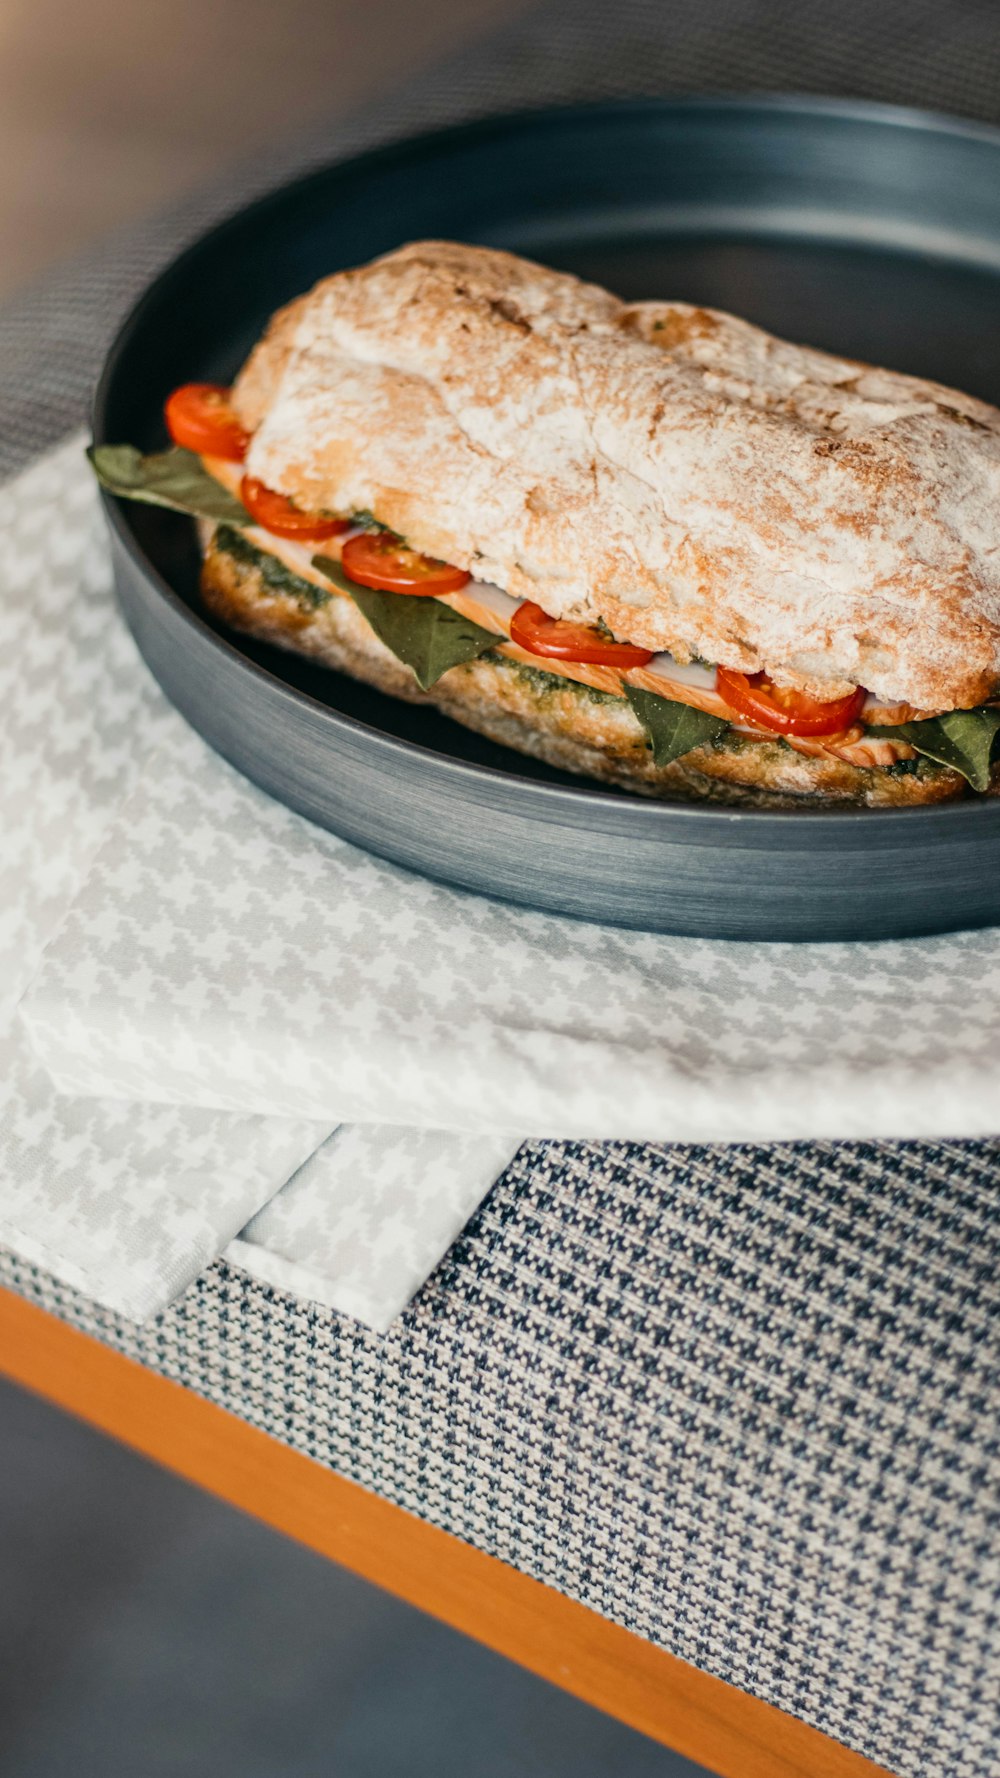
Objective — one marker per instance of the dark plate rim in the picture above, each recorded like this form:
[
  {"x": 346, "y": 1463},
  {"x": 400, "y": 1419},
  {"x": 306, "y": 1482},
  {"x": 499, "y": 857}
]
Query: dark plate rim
[{"x": 411, "y": 147}]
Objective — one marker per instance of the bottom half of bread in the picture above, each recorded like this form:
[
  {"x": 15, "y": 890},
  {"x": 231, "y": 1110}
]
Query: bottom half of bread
[{"x": 551, "y": 718}]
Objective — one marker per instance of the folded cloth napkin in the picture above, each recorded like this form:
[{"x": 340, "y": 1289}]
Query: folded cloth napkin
[
  {"x": 127, "y": 1202},
  {"x": 223, "y": 952},
  {"x": 252, "y": 984},
  {"x": 369, "y": 1215},
  {"x": 127, "y": 1207}
]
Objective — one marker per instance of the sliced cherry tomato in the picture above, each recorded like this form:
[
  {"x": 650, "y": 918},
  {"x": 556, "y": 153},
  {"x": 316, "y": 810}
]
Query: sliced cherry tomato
[
  {"x": 199, "y": 417},
  {"x": 785, "y": 712},
  {"x": 533, "y": 629},
  {"x": 283, "y": 517},
  {"x": 380, "y": 559}
]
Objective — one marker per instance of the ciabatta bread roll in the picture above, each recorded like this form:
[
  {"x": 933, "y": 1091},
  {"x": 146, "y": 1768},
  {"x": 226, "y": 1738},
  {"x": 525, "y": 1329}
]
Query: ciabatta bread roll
[{"x": 670, "y": 472}]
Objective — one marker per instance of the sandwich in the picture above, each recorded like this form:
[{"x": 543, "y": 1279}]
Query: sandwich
[{"x": 647, "y": 543}]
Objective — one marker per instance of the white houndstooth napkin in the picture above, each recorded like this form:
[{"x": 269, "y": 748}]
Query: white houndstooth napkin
[
  {"x": 224, "y": 953},
  {"x": 128, "y": 1202}
]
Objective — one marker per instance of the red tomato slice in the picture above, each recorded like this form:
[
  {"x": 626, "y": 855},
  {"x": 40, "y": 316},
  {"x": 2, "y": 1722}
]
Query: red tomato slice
[
  {"x": 533, "y": 629},
  {"x": 785, "y": 712},
  {"x": 283, "y": 517},
  {"x": 199, "y": 417},
  {"x": 380, "y": 559}
]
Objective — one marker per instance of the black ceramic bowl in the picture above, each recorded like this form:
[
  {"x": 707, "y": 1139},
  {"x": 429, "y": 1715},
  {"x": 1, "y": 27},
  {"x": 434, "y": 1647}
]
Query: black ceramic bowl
[{"x": 870, "y": 231}]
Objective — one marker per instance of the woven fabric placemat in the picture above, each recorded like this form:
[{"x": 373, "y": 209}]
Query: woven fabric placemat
[{"x": 741, "y": 1400}]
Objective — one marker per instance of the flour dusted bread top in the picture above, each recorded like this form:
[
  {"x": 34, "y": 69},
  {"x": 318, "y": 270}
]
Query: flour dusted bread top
[{"x": 694, "y": 483}]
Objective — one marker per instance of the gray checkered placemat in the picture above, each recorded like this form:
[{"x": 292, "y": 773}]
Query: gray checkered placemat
[
  {"x": 743, "y": 1401},
  {"x": 740, "y": 1400}
]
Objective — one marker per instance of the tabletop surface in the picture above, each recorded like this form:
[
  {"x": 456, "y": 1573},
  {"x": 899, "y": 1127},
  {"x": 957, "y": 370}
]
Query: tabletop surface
[
  {"x": 488, "y": 1601},
  {"x": 739, "y": 1401}
]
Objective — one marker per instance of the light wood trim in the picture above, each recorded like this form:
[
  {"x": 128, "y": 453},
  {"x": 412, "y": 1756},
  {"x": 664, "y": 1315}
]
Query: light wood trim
[{"x": 735, "y": 1735}]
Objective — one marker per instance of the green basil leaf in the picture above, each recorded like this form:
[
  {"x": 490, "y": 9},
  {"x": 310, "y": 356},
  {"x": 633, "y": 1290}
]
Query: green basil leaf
[
  {"x": 422, "y": 633},
  {"x": 963, "y": 740},
  {"x": 173, "y": 478},
  {"x": 672, "y": 729}
]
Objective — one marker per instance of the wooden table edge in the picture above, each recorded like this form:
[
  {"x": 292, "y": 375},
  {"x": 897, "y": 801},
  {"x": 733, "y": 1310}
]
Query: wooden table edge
[{"x": 704, "y": 1718}]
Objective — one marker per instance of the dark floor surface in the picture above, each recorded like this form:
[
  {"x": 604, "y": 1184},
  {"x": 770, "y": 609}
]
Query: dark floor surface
[{"x": 148, "y": 1631}]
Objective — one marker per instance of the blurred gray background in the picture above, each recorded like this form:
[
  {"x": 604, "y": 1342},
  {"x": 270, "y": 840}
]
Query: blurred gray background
[
  {"x": 148, "y": 1631},
  {"x": 109, "y": 109}
]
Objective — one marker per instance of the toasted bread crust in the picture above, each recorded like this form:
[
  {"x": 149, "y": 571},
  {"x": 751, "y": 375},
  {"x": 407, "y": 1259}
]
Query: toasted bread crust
[
  {"x": 554, "y": 720},
  {"x": 684, "y": 477}
]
